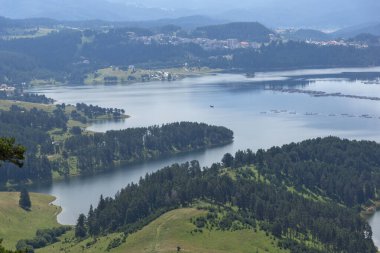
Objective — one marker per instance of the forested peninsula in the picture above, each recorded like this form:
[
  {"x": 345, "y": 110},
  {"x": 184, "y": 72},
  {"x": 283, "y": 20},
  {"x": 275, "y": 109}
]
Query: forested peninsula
[{"x": 58, "y": 145}]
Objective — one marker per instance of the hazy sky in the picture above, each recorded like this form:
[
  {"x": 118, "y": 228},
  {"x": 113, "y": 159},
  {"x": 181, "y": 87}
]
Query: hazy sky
[
  {"x": 208, "y": 5},
  {"x": 229, "y": 4}
]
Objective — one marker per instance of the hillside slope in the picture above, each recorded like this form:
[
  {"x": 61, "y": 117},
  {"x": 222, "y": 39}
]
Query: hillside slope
[
  {"x": 16, "y": 223},
  {"x": 175, "y": 229}
]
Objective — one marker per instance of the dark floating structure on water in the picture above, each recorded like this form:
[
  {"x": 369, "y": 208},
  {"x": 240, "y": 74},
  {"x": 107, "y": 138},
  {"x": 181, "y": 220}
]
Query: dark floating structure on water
[
  {"x": 323, "y": 94},
  {"x": 343, "y": 115}
]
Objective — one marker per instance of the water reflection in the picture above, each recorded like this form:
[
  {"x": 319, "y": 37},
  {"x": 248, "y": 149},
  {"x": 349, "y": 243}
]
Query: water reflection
[{"x": 374, "y": 221}]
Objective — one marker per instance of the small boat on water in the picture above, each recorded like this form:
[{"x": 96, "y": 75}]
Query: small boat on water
[{"x": 250, "y": 75}]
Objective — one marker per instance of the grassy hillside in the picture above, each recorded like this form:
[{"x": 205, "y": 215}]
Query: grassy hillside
[
  {"x": 6, "y": 104},
  {"x": 16, "y": 223},
  {"x": 117, "y": 75},
  {"x": 171, "y": 230}
]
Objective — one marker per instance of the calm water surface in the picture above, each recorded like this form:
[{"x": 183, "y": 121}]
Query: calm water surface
[
  {"x": 260, "y": 118},
  {"x": 374, "y": 221}
]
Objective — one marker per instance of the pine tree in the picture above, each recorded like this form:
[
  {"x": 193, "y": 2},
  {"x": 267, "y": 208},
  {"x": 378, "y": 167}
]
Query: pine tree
[
  {"x": 24, "y": 201},
  {"x": 93, "y": 229},
  {"x": 80, "y": 228},
  {"x": 228, "y": 160}
]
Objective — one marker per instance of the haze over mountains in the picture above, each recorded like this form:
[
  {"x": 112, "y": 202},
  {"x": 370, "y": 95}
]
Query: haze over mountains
[
  {"x": 273, "y": 13},
  {"x": 76, "y": 10},
  {"x": 369, "y": 28}
]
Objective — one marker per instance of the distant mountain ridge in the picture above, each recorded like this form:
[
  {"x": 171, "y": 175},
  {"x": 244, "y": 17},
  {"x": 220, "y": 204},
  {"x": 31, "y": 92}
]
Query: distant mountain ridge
[
  {"x": 186, "y": 22},
  {"x": 350, "y": 32},
  {"x": 274, "y": 13},
  {"x": 79, "y": 10},
  {"x": 310, "y": 13}
]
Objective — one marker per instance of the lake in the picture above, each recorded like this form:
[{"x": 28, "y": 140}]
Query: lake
[{"x": 259, "y": 114}]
